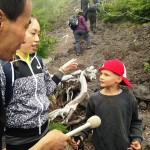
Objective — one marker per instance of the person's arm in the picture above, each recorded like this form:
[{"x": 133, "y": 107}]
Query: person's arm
[
  {"x": 83, "y": 22},
  {"x": 53, "y": 140},
  {"x": 135, "y": 128},
  {"x": 136, "y": 122},
  {"x": 70, "y": 65},
  {"x": 81, "y": 4},
  {"x": 52, "y": 82}
]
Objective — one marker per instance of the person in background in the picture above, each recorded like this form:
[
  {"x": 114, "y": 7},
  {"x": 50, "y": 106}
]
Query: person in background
[
  {"x": 117, "y": 107},
  {"x": 31, "y": 86},
  {"x": 14, "y": 20},
  {"x": 93, "y": 8},
  {"x": 84, "y": 8},
  {"x": 81, "y": 31}
]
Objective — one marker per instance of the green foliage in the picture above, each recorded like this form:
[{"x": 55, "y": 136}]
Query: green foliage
[
  {"x": 48, "y": 12},
  {"x": 125, "y": 10},
  {"x": 58, "y": 126},
  {"x": 46, "y": 45},
  {"x": 147, "y": 67}
]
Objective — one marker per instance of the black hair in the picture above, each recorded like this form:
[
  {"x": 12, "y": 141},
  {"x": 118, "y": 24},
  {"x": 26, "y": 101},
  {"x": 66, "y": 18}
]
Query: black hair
[
  {"x": 81, "y": 13},
  {"x": 12, "y": 8}
]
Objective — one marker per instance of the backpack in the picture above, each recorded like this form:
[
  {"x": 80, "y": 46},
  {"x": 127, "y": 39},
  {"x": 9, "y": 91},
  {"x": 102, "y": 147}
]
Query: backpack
[
  {"x": 8, "y": 74},
  {"x": 74, "y": 22},
  {"x": 93, "y": 5}
]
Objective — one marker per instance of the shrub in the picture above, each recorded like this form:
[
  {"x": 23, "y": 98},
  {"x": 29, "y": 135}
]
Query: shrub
[
  {"x": 125, "y": 10},
  {"x": 58, "y": 126},
  {"x": 48, "y": 13},
  {"x": 46, "y": 45},
  {"x": 147, "y": 67}
]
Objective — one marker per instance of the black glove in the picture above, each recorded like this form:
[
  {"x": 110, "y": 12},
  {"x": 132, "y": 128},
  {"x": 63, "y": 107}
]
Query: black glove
[{"x": 78, "y": 138}]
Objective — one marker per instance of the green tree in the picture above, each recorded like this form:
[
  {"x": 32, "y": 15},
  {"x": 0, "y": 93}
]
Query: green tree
[{"x": 125, "y": 10}]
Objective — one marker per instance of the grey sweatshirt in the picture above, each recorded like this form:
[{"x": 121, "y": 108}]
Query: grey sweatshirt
[{"x": 120, "y": 123}]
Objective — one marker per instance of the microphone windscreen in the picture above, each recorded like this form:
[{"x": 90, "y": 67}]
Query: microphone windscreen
[{"x": 95, "y": 121}]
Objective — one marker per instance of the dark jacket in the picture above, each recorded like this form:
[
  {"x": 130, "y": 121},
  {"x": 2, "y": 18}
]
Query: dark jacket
[
  {"x": 120, "y": 123},
  {"x": 82, "y": 25},
  {"x": 2, "y": 109},
  {"x": 84, "y": 3}
]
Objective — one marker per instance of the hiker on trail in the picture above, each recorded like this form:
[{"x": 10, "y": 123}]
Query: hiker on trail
[
  {"x": 28, "y": 85},
  {"x": 81, "y": 31},
  {"x": 93, "y": 8},
  {"x": 84, "y": 8},
  {"x": 117, "y": 107}
]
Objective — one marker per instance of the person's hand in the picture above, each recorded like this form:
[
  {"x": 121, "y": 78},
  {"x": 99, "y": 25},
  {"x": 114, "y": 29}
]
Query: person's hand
[
  {"x": 77, "y": 142},
  {"x": 135, "y": 146},
  {"x": 53, "y": 140},
  {"x": 56, "y": 140},
  {"x": 70, "y": 65}
]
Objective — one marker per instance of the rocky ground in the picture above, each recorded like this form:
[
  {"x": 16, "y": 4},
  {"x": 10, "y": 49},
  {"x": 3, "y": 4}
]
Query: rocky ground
[{"x": 127, "y": 42}]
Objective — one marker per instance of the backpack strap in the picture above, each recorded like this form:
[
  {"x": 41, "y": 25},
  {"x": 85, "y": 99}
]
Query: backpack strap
[
  {"x": 80, "y": 23},
  {"x": 78, "y": 16},
  {"x": 9, "y": 87}
]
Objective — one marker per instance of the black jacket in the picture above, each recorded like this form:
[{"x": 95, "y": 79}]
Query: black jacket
[{"x": 2, "y": 109}]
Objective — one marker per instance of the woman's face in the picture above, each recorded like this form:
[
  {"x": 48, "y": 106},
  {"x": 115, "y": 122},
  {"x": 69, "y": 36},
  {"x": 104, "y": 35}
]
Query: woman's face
[{"x": 32, "y": 37}]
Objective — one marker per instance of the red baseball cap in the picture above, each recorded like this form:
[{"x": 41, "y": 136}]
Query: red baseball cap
[{"x": 117, "y": 67}]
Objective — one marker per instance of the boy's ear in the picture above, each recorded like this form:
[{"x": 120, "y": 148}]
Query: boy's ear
[{"x": 119, "y": 79}]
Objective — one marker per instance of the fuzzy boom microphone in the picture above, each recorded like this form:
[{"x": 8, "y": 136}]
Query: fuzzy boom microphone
[{"x": 92, "y": 122}]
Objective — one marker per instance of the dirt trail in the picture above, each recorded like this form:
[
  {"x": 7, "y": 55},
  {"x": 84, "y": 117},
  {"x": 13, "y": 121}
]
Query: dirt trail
[{"x": 129, "y": 43}]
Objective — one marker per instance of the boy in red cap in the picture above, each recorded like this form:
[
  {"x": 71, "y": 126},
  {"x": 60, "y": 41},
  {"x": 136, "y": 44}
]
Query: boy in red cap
[{"x": 117, "y": 107}]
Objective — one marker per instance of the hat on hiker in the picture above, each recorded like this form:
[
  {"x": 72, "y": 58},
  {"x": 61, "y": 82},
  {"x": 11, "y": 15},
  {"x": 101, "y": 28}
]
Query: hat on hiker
[
  {"x": 77, "y": 10},
  {"x": 117, "y": 67}
]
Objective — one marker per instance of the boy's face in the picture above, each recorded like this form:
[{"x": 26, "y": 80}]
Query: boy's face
[{"x": 109, "y": 79}]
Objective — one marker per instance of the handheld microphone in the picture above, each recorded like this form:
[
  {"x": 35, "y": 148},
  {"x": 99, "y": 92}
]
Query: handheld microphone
[{"x": 92, "y": 122}]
